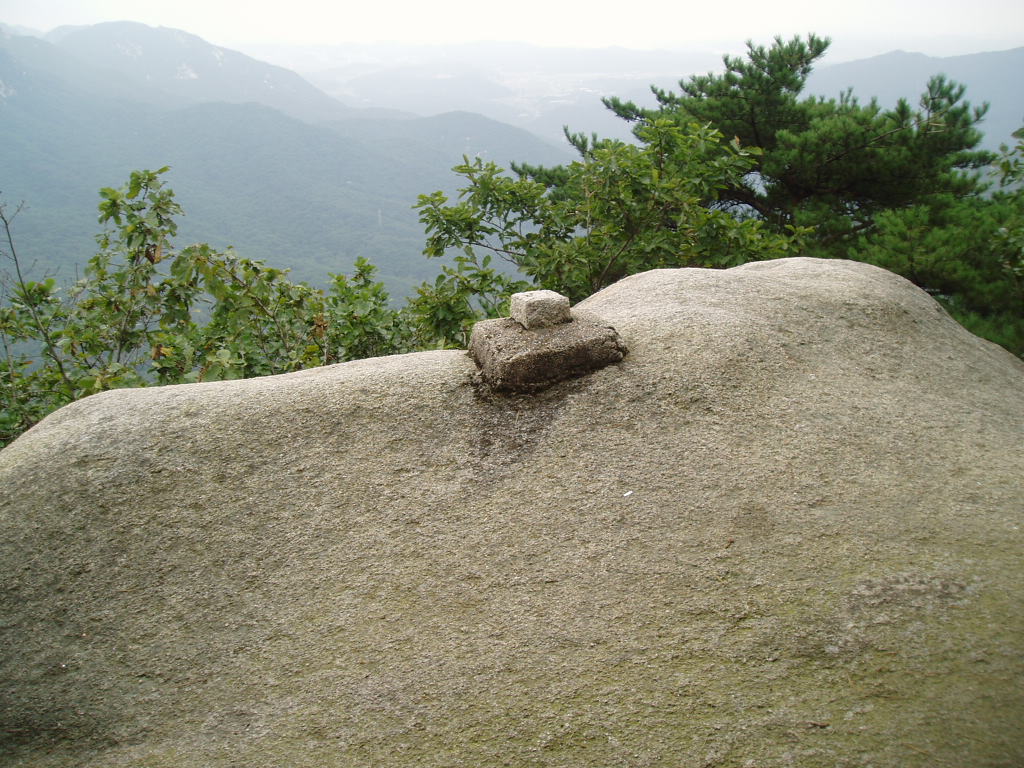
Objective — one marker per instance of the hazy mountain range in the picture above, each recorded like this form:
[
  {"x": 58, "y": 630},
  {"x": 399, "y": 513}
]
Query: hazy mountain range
[
  {"x": 312, "y": 171},
  {"x": 260, "y": 158},
  {"x": 542, "y": 89}
]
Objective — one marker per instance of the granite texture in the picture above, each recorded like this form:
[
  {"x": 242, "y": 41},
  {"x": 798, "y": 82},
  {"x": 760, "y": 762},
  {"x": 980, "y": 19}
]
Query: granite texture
[{"x": 785, "y": 530}]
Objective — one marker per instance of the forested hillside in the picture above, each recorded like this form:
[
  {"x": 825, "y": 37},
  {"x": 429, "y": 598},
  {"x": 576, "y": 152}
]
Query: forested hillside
[
  {"x": 176, "y": 68},
  {"x": 311, "y": 195}
]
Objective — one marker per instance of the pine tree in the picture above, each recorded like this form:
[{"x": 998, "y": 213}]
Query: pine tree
[{"x": 833, "y": 164}]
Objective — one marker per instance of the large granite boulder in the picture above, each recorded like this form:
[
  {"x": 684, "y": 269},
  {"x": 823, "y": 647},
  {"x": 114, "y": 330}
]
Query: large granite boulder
[{"x": 785, "y": 530}]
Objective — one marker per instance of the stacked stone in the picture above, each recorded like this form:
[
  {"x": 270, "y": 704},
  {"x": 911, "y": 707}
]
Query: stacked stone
[{"x": 542, "y": 343}]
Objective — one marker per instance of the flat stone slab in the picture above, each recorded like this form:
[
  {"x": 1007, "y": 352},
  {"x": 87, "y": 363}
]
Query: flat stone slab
[{"x": 512, "y": 358}]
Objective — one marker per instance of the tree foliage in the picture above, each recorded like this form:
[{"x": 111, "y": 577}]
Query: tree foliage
[
  {"x": 620, "y": 209},
  {"x": 741, "y": 166},
  {"x": 1010, "y": 237},
  {"x": 143, "y": 313},
  {"x": 833, "y": 164},
  {"x": 967, "y": 252}
]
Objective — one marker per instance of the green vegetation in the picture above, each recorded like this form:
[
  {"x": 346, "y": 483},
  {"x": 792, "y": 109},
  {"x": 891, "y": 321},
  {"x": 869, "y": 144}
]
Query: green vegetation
[
  {"x": 145, "y": 314},
  {"x": 620, "y": 209},
  {"x": 903, "y": 188},
  {"x": 826, "y": 163},
  {"x": 735, "y": 168}
]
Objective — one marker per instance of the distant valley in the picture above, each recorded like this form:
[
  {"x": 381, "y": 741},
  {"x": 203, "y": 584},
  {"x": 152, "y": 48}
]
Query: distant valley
[{"x": 260, "y": 159}]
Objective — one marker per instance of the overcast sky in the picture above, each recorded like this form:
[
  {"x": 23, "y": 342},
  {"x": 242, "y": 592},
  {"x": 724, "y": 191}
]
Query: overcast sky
[{"x": 867, "y": 27}]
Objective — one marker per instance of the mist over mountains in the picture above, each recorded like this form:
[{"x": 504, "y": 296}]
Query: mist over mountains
[
  {"x": 543, "y": 89},
  {"x": 260, "y": 159},
  {"x": 310, "y": 170},
  {"x": 533, "y": 87}
]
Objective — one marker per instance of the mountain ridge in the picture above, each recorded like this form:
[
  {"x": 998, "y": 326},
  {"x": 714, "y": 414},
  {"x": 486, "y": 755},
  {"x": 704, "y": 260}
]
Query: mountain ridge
[
  {"x": 189, "y": 69},
  {"x": 547, "y": 94},
  {"x": 314, "y": 221}
]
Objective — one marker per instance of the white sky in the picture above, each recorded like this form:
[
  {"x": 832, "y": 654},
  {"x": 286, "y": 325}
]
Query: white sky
[{"x": 861, "y": 28}]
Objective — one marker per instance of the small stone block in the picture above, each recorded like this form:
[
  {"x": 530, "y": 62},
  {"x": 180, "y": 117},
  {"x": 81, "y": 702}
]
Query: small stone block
[{"x": 540, "y": 309}]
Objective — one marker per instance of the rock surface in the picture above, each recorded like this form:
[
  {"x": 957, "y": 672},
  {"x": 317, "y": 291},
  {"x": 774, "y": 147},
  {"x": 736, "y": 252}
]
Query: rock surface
[{"x": 784, "y": 531}]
